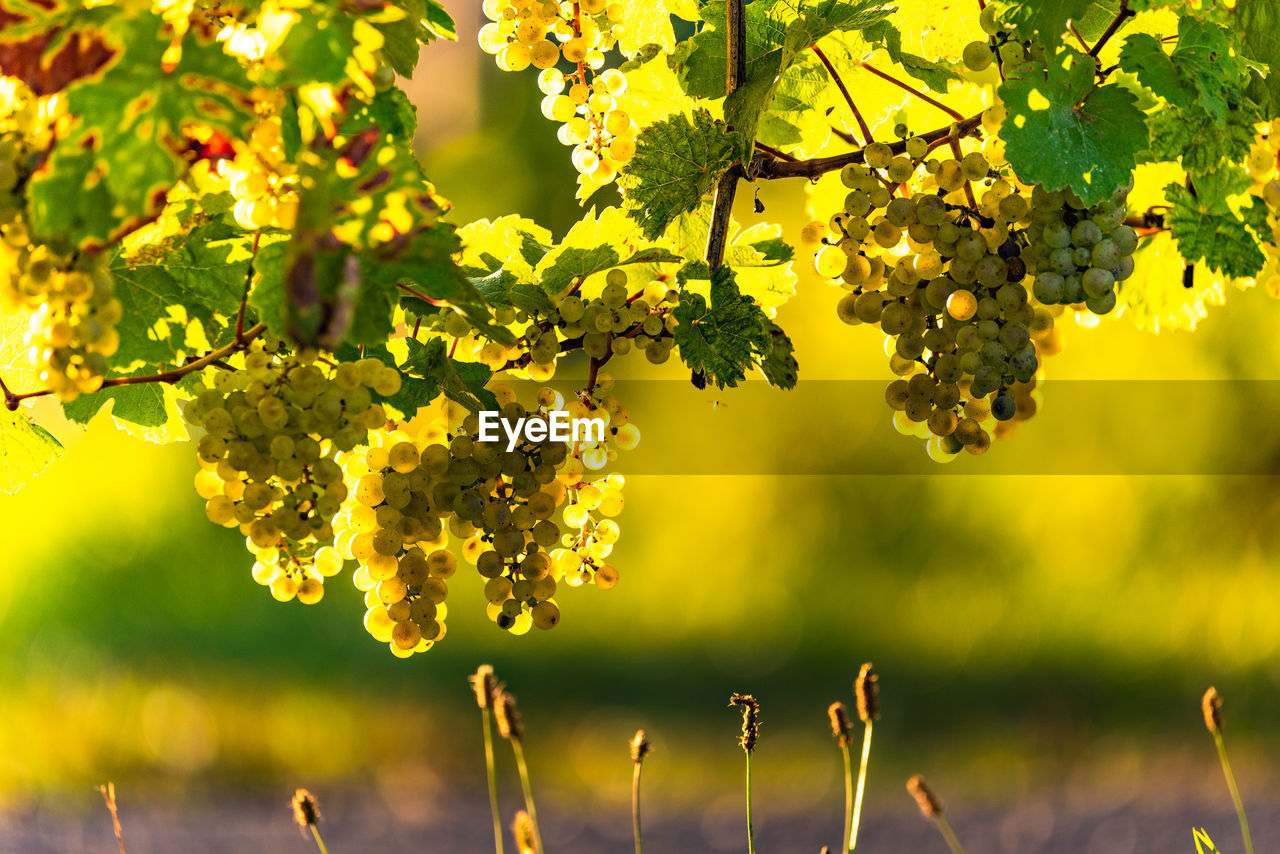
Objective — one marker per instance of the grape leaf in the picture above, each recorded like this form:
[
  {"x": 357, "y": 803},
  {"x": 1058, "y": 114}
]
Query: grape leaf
[
  {"x": 26, "y": 449},
  {"x": 676, "y": 165},
  {"x": 1064, "y": 132},
  {"x": 936, "y": 75},
  {"x": 133, "y": 114},
  {"x": 1198, "y": 141},
  {"x": 1048, "y": 18},
  {"x": 1258, "y": 26},
  {"x": 143, "y": 404},
  {"x": 501, "y": 289},
  {"x": 47, "y": 44},
  {"x": 760, "y": 259},
  {"x": 424, "y": 21},
  {"x": 1208, "y": 230},
  {"x": 647, "y": 23},
  {"x": 595, "y": 244},
  {"x": 462, "y": 382},
  {"x": 722, "y": 338},
  {"x": 204, "y": 274},
  {"x": 779, "y": 367},
  {"x": 510, "y": 243},
  {"x": 1201, "y": 72}
]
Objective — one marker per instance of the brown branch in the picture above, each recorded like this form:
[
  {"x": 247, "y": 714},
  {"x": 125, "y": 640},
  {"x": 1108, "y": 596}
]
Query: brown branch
[
  {"x": 774, "y": 152},
  {"x": 413, "y": 292},
  {"x": 831, "y": 69},
  {"x": 1071, "y": 28},
  {"x": 913, "y": 90},
  {"x": 727, "y": 185},
  {"x": 968, "y": 187},
  {"x": 818, "y": 166},
  {"x": 248, "y": 282},
  {"x": 1123, "y": 15},
  {"x": 12, "y": 400},
  {"x": 109, "y": 796}
]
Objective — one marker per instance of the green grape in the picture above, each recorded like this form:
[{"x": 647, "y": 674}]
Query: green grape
[{"x": 977, "y": 56}]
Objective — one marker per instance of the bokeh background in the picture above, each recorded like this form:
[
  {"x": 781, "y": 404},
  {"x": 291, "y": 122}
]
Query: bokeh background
[{"x": 1044, "y": 619}]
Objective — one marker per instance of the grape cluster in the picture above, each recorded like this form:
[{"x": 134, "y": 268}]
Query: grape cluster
[
  {"x": 432, "y": 477},
  {"x": 268, "y": 457},
  {"x": 71, "y": 295},
  {"x": 540, "y": 32},
  {"x": 603, "y": 137},
  {"x": 942, "y": 273},
  {"x": 1078, "y": 252},
  {"x": 613, "y": 323},
  {"x": 522, "y": 33}
]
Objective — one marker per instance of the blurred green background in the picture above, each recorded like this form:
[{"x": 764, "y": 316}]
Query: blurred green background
[{"x": 1036, "y": 629}]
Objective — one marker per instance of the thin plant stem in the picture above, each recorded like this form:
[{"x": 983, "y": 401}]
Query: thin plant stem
[
  {"x": 944, "y": 827},
  {"x": 486, "y": 722},
  {"x": 1235, "y": 792},
  {"x": 315, "y": 834},
  {"x": 109, "y": 796},
  {"x": 635, "y": 805},
  {"x": 751, "y": 836},
  {"x": 856, "y": 816},
  {"x": 848, "y": 796},
  {"x": 933, "y": 102},
  {"x": 831, "y": 69},
  {"x": 518, "y": 748}
]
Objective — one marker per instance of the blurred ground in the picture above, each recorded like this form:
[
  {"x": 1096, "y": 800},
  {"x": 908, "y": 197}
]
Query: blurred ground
[{"x": 354, "y": 824}]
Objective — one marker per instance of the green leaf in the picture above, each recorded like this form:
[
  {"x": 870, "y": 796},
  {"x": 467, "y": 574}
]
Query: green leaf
[
  {"x": 1258, "y": 26},
  {"x": 721, "y": 339},
  {"x": 1202, "y": 144},
  {"x": 1063, "y": 132},
  {"x": 501, "y": 289},
  {"x": 142, "y": 404},
  {"x": 595, "y": 244},
  {"x": 133, "y": 114},
  {"x": 196, "y": 279},
  {"x": 424, "y": 21},
  {"x": 1200, "y": 73},
  {"x": 676, "y": 164},
  {"x": 1048, "y": 19},
  {"x": 462, "y": 382},
  {"x": 760, "y": 259},
  {"x": 26, "y": 449},
  {"x": 1207, "y": 230},
  {"x": 936, "y": 75},
  {"x": 779, "y": 366}
]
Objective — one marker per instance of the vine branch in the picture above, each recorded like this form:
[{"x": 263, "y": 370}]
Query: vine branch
[
  {"x": 727, "y": 185},
  {"x": 933, "y": 102},
  {"x": 819, "y": 166},
  {"x": 12, "y": 400},
  {"x": 1123, "y": 15},
  {"x": 835, "y": 75}
]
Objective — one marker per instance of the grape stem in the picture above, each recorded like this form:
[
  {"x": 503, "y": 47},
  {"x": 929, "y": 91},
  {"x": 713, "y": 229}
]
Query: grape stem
[
  {"x": 772, "y": 152},
  {"x": 1123, "y": 15},
  {"x": 835, "y": 75},
  {"x": 727, "y": 185},
  {"x": 12, "y": 400},
  {"x": 417, "y": 294},
  {"x": 913, "y": 90},
  {"x": 1071, "y": 28},
  {"x": 248, "y": 282},
  {"x": 818, "y": 166}
]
